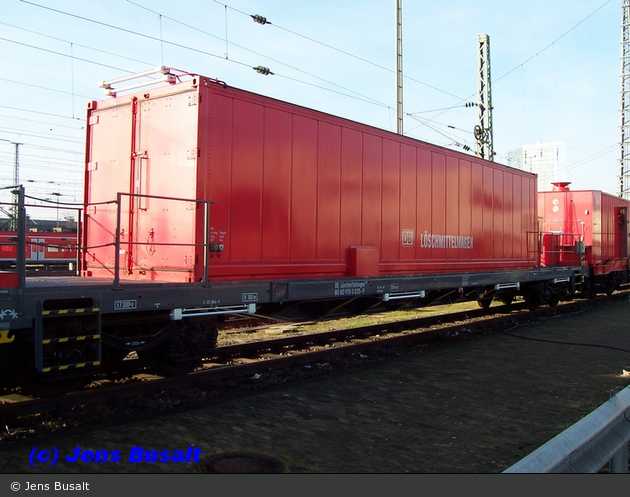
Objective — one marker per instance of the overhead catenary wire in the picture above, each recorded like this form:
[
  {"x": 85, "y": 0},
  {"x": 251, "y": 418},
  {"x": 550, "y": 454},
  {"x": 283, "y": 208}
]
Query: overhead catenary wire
[
  {"x": 41, "y": 112},
  {"x": 61, "y": 54},
  {"x": 455, "y": 142},
  {"x": 262, "y": 69},
  {"x": 128, "y": 31},
  {"x": 316, "y": 41},
  {"x": 54, "y": 149},
  {"x": 331, "y": 47},
  {"x": 495, "y": 80},
  {"x": 87, "y": 47},
  {"x": 552, "y": 43},
  {"x": 358, "y": 58},
  {"x": 50, "y": 124},
  {"x": 293, "y": 32},
  {"x": 42, "y": 88},
  {"x": 24, "y": 132},
  {"x": 185, "y": 47}
]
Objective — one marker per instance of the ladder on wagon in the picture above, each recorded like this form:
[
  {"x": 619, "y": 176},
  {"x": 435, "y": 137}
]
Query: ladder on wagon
[{"x": 55, "y": 352}]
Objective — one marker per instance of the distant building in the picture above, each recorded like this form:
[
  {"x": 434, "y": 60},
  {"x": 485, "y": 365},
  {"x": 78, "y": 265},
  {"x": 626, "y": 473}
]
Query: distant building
[
  {"x": 42, "y": 225},
  {"x": 543, "y": 159}
]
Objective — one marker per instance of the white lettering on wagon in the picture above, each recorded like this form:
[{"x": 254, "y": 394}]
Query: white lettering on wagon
[
  {"x": 349, "y": 288},
  {"x": 430, "y": 240},
  {"x": 247, "y": 298},
  {"x": 124, "y": 305}
]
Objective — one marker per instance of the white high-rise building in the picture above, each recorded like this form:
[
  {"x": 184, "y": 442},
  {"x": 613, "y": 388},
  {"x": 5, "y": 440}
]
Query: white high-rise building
[{"x": 543, "y": 159}]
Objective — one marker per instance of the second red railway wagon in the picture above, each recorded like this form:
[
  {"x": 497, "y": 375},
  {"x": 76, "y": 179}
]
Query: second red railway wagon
[
  {"x": 296, "y": 193},
  {"x": 42, "y": 251},
  {"x": 597, "y": 221}
]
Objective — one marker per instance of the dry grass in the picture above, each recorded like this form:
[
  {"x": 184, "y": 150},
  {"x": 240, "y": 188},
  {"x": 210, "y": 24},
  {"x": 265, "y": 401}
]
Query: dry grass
[{"x": 233, "y": 336}]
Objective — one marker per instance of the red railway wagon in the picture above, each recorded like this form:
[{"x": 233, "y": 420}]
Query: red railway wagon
[
  {"x": 593, "y": 226},
  {"x": 43, "y": 250},
  {"x": 296, "y": 193},
  {"x": 203, "y": 200}
]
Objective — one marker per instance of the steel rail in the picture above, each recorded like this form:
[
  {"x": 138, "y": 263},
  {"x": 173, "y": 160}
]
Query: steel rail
[{"x": 287, "y": 355}]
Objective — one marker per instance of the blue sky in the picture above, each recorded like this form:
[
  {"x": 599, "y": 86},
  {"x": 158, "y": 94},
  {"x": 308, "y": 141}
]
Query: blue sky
[{"x": 555, "y": 70}]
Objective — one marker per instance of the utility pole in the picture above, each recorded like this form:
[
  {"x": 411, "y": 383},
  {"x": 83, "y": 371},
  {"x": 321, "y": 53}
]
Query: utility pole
[
  {"x": 624, "y": 144},
  {"x": 16, "y": 182},
  {"x": 399, "y": 70},
  {"x": 483, "y": 131}
]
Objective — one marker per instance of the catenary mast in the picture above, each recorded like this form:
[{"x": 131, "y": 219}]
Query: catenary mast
[
  {"x": 483, "y": 131},
  {"x": 399, "y": 73},
  {"x": 624, "y": 144}
]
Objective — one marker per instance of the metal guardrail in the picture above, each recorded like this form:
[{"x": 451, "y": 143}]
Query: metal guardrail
[
  {"x": 586, "y": 447},
  {"x": 118, "y": 243}
]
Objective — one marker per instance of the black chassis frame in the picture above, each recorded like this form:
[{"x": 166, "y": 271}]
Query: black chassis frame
[{"x": 21, "y": 307}]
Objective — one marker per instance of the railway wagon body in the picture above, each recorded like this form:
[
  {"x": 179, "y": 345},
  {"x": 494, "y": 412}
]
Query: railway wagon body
[
  {"x": 202, "y": 200},
  {"x": 42, "y": 251},
  {"x": 296, "y": 194},
  {"x": 589, "y": 226}
]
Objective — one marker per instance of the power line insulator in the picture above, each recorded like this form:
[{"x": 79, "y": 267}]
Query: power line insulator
[
  {"x": 260, "y": 19},
  {"x": 262, "y": 70}
]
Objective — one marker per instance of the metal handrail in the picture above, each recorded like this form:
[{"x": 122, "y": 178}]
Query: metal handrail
[
  {"x": 20, "y": 238},
  {"x": 600, "y": 437},
  {"x": 21, "y": 231},
  {"x": 561, "y": 253},
  {"x": 117, "y": 238}
]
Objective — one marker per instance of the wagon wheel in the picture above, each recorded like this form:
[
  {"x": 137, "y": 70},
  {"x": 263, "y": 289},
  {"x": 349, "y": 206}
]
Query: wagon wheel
[
  {"x": 485, "y": 303},
  {"x": 182, "y": 352},
  {"x": 609, "y": 286},
  {"x": 112, "y": 358},
  {"x": 159, "y": 360},
  {"x": 588, "y": 290},
  {"x": 32, "y": 382},
  {"x": 507, "y": 300},
  {"x": 532, "y": 299}
]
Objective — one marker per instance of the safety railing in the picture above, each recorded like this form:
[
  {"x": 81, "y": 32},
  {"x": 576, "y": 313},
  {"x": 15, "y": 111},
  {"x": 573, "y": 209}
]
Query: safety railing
[
  {"x": 19, "y": 223},
  {"x": 599, "y": 438},
  {"x": 118, "y": 243},
  {"x": 19, "y": 241},
  {"x": 556, "y": 249},
  {"x": 22, "y": 248}
]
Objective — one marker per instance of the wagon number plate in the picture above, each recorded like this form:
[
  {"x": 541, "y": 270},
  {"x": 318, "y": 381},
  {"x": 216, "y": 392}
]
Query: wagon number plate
[{"x": 123, "y": 305}]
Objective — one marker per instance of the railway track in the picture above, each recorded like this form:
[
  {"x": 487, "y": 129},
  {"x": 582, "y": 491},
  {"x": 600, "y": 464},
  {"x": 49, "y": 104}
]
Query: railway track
[{"x": 253, "y": 360}]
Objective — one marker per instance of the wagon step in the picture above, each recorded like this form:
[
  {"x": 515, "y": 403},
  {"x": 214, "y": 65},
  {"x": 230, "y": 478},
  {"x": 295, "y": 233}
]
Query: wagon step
[{"x": 61, "y": 353}]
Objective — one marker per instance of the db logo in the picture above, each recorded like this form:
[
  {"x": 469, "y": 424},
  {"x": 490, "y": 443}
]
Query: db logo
[{"x": 407, "y": 238}]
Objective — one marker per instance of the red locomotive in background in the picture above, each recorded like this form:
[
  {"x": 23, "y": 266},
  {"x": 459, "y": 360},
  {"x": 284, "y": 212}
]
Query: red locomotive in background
[
  {"x": 586, "y": 227},
  {"x": 47, "y": 251},
  {"x": 203, "y": 200}
]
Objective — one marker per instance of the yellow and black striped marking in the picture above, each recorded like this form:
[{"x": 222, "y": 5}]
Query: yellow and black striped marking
[
  {"x": 69, "y": 312},
  {"x": 68, "y": 367},
  {"x": 70, "y": 339}
]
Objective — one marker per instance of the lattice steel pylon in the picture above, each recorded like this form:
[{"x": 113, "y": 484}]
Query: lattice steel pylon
[
  {"x": 624, "y": 144},
  {"x": 483, "y": 131},
  {"x": 399, "y": 69},
  {"x": 16, "y": 181}
]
